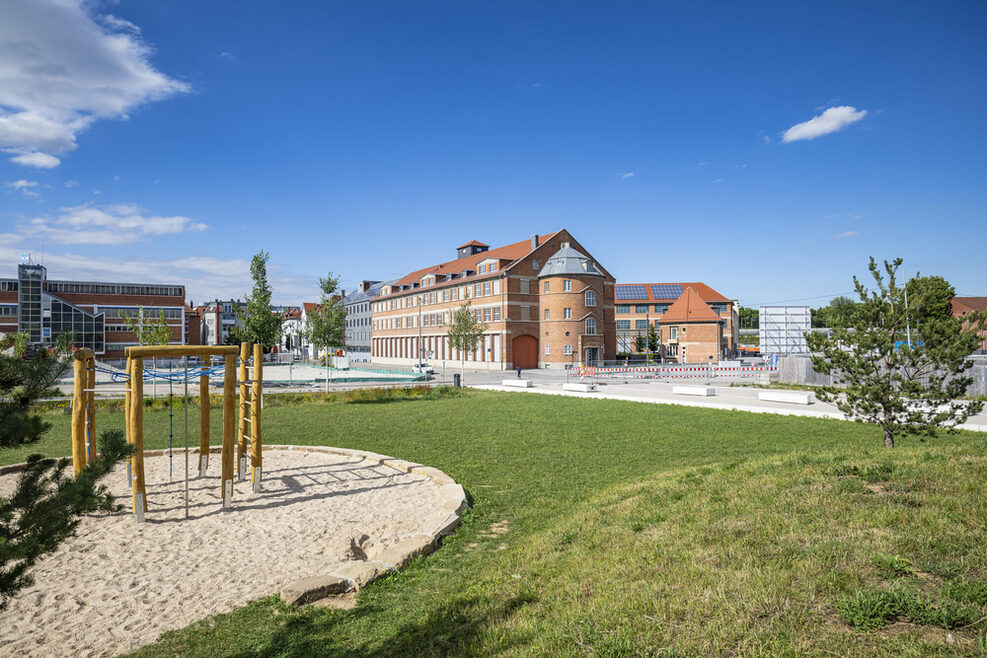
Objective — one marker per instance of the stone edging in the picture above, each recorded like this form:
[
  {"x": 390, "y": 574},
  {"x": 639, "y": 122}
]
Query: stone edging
[{"x": 361, "y": 573}]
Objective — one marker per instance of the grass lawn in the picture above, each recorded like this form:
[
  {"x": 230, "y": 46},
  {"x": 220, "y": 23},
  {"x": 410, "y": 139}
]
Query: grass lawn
[{"x": 617, "y": 528}]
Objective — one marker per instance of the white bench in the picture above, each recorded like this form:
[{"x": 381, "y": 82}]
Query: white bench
[
  {"x": 702, "y": 391},
  {"x": 520, "y": 383},
  {"x": 790, "y": 397},
  {"x": 577, "y": 386}
]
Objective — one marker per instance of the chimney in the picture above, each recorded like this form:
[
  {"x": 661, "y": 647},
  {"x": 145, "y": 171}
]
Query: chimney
[{"x": 534, "y": 242}]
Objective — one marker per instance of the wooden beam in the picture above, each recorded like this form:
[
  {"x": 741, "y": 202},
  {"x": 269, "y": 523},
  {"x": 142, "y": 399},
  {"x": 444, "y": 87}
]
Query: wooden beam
[
  {"x": 256, "y": 397},
  {"x": 137, "y": 434},
  {"x": 203, "y": 420},
  {"x": 78, "y": 416},
  {"x": 241, "y": 438},
  {"x": 229, "y": 427},
  {"x": 158, "y": 351},
  {"x": 90, "y": 394},
  {"x": 83, "y": 353}
]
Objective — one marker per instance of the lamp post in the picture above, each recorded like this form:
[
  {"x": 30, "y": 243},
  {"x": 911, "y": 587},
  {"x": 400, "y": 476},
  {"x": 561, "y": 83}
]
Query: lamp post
[{"x": 419, "y": 328}]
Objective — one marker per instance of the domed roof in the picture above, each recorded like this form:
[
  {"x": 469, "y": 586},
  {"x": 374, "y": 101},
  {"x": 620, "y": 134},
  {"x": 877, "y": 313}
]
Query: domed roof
[{"x": 568, "y": 261}]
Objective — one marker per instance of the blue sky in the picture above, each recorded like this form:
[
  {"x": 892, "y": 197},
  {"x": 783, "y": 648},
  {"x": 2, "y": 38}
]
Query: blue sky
[{"x": 169, "y": 141}]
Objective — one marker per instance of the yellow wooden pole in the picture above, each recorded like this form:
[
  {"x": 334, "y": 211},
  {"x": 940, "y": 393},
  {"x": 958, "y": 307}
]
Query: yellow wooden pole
[
  {"x": 137, "y": 435},
  {"x": 90, "y": 394},
  {"x": 78, "y": 416},
  {"x": 241, "y": 443},
  {"x": 127, "y": 411},
  {"x": 229, "y": 426},
  {"x": 204, "y": 419},
  {"x": 256, "y": 396}
]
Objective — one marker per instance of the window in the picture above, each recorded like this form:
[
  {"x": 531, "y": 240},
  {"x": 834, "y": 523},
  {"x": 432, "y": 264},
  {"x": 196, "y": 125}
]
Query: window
[
  {"x": 445, "y": 295},
  {"x": 623, "y": 308},
  {"x": 661, "y": 308},
  {"x": 672, "y": 350},
  {"x": 640, "y": 308},
  {"x": 623, "y": 325},
  {"x": 525, "y": 286},
  {"x": 525, "y": 314},
  {"x": 641, "y": 325},
  {"x": 481, "y": 269},
  {"x": 477, "y": 289},
  {"x": 673, "y": 333},
  {"x": 534, "y": 263},
  {"x": 683, "y": 330},
  {"x": 486, "y": 315},
  {"x": 546, "y": 286},
  {"x": 567, "y": 313},
  {"x": 548, "y": 349},
  {"x": 453, "y": 294},
  {"x": 548, "y": 315},
  {"x": 567, "y": 350},
  {"x": 590, "y": 298},
  {"x": 566, "y": 285},
  {"x": 486, "y": 288},
  {"x": 590, "y": 326},
  {"x": 496, "y": 313}
]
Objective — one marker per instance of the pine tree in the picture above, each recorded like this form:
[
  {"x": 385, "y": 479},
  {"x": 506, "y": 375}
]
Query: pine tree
[{"x": 880, "y": 377}]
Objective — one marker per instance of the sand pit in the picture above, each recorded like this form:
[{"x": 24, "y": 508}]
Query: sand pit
[{"x": 118, "y": 585}]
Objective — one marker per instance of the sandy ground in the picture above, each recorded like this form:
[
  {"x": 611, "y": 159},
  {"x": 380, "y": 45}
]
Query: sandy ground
[{"x": 118, "y": 585}]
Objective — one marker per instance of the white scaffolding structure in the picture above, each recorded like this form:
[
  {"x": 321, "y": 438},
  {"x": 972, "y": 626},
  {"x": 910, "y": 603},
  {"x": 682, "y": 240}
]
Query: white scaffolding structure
[{"x": 782, "y": 329}]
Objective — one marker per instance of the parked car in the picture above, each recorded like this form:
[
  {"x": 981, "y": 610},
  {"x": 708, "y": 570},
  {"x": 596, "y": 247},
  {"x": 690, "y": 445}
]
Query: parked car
[{"x": 423, "y": 368}]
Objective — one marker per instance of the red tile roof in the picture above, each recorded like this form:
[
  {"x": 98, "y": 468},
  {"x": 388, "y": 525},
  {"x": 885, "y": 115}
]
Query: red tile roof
[
  {"x": 963, "y": 305},
  {"x": 310, "y": 306},
  {"x": 472, "y": 243},
  {"x": 510, "y": 252},
  {"x": 705, "y": 292},
  {"x": 689, "y": 307}
]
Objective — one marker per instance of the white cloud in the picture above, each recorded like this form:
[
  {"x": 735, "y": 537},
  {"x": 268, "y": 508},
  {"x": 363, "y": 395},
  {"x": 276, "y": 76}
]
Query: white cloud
[
  {"x": 703, "y": 163},
  {"x": 105, "y": 225},
  {"x": 830, "y": 121},
  {"x": 33, "y": 158},
  {"x": 71, "y": 183},
  {"x": 847, "y": 234},
  {"x": 767, "y": 139},
  {"x": 625, "y": 176},
  {"x": 717, "y": 180},
  {"x": 227, "y": 55},
  {"x": 61, "y": 70},
  {"x": 25, "y": 187}
]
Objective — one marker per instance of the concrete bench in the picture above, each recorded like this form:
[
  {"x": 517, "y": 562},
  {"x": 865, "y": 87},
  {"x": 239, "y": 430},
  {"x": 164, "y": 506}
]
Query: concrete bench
[
  {"x": 702, "y": 391},
  {"x": 520, "y": 383},
  {"x": 790, "y": 397},
  {"x": 577, "y": 386}
]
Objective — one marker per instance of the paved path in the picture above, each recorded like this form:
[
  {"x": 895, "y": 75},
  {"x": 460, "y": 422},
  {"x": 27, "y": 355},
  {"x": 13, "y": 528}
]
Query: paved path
[{"x": 740, "y": 398}]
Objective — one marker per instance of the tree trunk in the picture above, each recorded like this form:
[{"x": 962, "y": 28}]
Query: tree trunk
[{"x": 888, "y": 438}]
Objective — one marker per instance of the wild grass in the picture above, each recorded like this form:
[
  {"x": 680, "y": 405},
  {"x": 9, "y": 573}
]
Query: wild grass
[{"x": 616, "y": 528}]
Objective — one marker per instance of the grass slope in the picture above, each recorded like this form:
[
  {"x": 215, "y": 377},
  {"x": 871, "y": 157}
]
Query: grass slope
[{"x": 616, "y": 528}]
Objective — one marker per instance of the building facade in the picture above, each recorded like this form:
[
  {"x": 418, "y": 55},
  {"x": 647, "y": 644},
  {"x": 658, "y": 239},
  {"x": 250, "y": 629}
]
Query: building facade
[
  {"x": 219, "y": 318},
  {"x": 358, "y": 319},
  {"x": 639, "y": 306},
  {"x": 965, "y": 305},
  {"x": 545, "y": 303},
  {"x": 691, "y": 331},
  {"x": 92, "y": 311}
]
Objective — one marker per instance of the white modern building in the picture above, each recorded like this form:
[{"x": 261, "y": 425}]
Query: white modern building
[{"x": 358, "y": 323}]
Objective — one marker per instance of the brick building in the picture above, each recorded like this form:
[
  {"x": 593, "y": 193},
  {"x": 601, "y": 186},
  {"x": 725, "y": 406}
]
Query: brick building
[
  {"x": 640, "y": 305},
  {"x": 963, "y": 305},
  {"x": 93, "y": 311},
  {"x": 690, "y": 331},
  {"x": 545, "y": 301}
]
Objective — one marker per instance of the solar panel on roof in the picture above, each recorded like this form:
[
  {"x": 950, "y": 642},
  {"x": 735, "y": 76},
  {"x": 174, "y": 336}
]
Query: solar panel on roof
[
  {"x": 666, "y": 290},
  {"x": 630, "y": 292}
]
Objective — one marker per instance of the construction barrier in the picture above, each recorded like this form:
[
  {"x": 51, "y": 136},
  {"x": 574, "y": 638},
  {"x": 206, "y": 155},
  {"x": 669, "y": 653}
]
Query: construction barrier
[{"x": 674, "y": 372}]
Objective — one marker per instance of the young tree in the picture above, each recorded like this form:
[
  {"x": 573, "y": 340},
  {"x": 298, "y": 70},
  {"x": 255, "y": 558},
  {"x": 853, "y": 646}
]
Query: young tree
[
  {"x": 45, "y": 506},
  {"x": 465, "y": 331},
  {"x": 879, "y": 378},
  {"x": 640, "y": 344},
  {"x": 326, "y": 328},
  {"x": 149, "y": 330},
  {"x": 653, "y": 344},
  {"x": 259, "y": 324}
]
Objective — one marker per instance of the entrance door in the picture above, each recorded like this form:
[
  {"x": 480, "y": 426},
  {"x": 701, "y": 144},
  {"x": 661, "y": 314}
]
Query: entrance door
[
  {"x": 592, "y": 356},
  {"x": 524, "y": 352}
]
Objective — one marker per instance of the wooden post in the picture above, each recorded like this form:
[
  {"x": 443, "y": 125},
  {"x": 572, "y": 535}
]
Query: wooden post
[
  {"x": 127, "y": 405},
  {"x": 91, "y": 409},
  {"x": 241, "y": 443},
  {"x": 255, "y": 402},
  {"x": 204, "y": 418},
  {"x": 137, "y": 435},
  {"x": 78, "y": 416},
  {"x": 229, "y": 427}
]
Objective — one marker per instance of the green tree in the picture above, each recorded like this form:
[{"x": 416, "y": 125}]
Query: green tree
[
  {"x": 465, "y": 331},
  {"x": 640, "y": 344},
  {"x": 149, "y": 330},
  {"x": 259, "y": 324},
  {"x": 45, "y": 506},
  {"x": 929, "y": 297},
  {"x": 653, "y": 343},
  {"x": 749, "y": 318},
  {"x": 326, "y": 326},
  {"x": 879, "y": 378}
]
